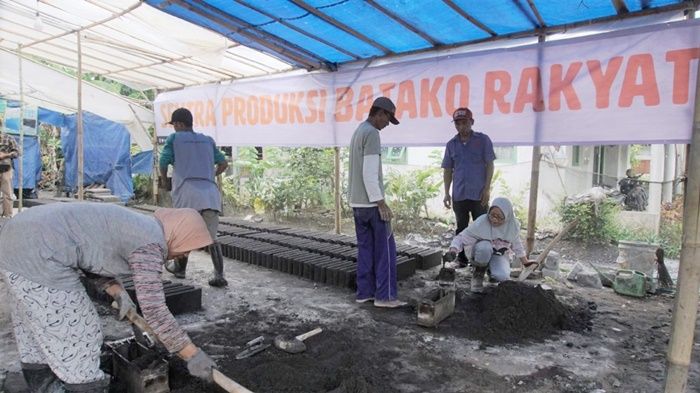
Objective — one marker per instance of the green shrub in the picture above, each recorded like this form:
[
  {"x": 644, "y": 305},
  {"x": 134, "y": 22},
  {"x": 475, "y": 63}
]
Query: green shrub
[
  {"x": 408, "y": 193},
  {"x": 596, "y": 222}
]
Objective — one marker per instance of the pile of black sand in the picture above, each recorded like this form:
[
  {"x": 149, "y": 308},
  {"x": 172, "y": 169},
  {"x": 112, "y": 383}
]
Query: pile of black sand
[{"x": 513, "y": 312}]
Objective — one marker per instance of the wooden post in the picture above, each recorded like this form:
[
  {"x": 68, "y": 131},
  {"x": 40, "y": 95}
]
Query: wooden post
[
  {"x": 337, "y": 189},
  {"x": 20, "y": 161},
  {"x": 534, "y": 178},
  {"x": 680, "y": 346},
  {"x": 156, "y": 167},
  {"x": 79, "y": 119},
  {"x": 154, "y": 141}
]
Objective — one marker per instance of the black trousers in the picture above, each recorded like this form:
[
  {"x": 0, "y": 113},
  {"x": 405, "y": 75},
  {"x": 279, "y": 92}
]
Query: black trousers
[{"x": 462, "y": 211}]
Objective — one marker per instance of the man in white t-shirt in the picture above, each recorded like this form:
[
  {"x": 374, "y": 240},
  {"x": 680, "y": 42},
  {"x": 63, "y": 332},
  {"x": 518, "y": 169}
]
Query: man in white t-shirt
[{"x": 376, "y": 248}]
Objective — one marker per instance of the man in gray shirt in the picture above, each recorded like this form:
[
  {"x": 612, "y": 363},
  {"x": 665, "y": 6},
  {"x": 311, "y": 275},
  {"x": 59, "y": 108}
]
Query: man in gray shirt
[
  {"x": 193, "y": 156},
  {"x": 376, "y": 248}
]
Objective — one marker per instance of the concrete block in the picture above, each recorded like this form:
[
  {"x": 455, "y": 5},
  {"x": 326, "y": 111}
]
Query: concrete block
[
  {"x": 552, "y": 260},
  {"x": 589, "y": 280},
  {"x": 552, "y": 273},
  {"x": 578, "y": 267}
]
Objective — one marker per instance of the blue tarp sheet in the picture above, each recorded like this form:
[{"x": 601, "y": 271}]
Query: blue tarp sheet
[
  {"x": 31, "y": 163},
  {"x": 340, "y": 31},
  {"x": 142, "y": 163},
  {"x": 106, "y": 148}
]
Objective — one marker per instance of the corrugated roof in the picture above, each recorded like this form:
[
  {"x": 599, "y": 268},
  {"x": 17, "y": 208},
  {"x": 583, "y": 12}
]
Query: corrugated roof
[{"x": 325, "y": 33}]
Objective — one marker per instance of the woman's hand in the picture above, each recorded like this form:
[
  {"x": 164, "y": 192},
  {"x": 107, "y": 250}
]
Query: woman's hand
[{"x": 121, "y": 297}]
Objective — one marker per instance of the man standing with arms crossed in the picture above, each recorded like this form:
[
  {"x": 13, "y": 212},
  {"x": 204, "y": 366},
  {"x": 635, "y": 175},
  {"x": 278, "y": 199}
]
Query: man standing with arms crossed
[
  {"x": 376, "y": 248},
  {"x": 193, "y": 156},
  {"x": 468, "y": 167},
  {"x": 8, "y": 151}
]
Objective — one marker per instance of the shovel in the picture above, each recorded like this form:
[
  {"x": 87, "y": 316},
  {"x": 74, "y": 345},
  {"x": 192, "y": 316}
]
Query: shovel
[
  {"x": 526, "y": 271},
  {"x": 226, "y": 383},
  {"x": 295, "y": 344}
]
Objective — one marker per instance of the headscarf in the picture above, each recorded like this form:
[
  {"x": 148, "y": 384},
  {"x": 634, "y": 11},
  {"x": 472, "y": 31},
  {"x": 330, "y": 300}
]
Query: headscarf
[
  {"x": 184, "y": 229},
  {"x": 509, "y": 231}
]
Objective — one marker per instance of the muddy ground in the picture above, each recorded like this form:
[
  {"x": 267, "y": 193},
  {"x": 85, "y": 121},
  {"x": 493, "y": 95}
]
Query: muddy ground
[{"x": 558, "y": 340}]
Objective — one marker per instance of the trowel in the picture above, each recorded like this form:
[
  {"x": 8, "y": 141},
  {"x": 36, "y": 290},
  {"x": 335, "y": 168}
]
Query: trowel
[
  {"x": 295, "y": 344},
  {"x": 446, "y": 276}
]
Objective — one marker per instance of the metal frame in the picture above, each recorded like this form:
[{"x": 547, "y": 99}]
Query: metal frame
[
  {"x": 298, "y": 30},
  {"x": 341, "y": 26},
  {"x": 470, "y": 18},
  {"x": 403, "y": 23},
  {"x": 272, "y": 42}
]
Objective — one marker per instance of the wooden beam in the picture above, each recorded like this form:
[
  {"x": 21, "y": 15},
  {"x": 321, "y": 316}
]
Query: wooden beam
[
  {"x": 298, "y": 30},
  {"x": 91, "y": 25},
  {"x": 620, "y": 7},
  {"x": 470, "y": 18},
  {"x": 535, "y": 11},
  {"x": 20, "y": 179},
  {"x": 79, "y": 122},
  {"x": 341, "y": 26},
  {"x": 273, "y": 43},
  {"x": 403, "y": 23}
]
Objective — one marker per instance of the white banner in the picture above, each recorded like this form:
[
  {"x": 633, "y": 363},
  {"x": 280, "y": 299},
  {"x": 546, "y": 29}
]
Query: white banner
[{"x": 632, "y": 86}]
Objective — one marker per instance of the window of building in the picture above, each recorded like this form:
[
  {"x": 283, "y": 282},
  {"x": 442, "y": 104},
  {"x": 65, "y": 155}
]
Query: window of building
[
  {"x": 576, "y": 156},
  {"x": 394, "y": 155},
  {"x": 506, "y": 154}
]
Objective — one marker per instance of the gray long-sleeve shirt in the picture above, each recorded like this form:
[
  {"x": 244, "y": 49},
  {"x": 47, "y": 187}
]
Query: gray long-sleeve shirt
[{"x": 47, "y": 244}]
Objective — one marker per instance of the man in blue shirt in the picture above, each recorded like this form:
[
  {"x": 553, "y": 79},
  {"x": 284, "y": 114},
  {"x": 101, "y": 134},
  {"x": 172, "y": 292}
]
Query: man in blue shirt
[
  {"x": 468, "y": 167},
  {"x": 193, "y": 157}
]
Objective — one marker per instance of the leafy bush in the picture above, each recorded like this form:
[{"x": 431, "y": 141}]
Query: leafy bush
[
  {"x": 285, "y": 181},
  {"x": 408, "y": 193},
  {"x": 143, "y": 187},
  {"x": 596, "y": 222}
]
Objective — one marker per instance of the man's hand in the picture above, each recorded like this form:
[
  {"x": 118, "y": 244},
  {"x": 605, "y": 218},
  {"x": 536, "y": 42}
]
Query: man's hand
[
  {"x": 384, "y": 211},
  {"x": 485, "y": 197},
  {"x": 201, "y": 366},
  {"x": 447, "y": 201}
]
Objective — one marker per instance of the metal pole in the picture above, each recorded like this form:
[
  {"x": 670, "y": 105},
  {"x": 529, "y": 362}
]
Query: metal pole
[
  {"x": 79, "y": 118},
  {"x": 20, "y": 179},
  {"x": 156, "y": 168},
  {"x": 534, "y": 177},
  {"x": 685, "y": 309},
  {"x": 337, "y": 189}
]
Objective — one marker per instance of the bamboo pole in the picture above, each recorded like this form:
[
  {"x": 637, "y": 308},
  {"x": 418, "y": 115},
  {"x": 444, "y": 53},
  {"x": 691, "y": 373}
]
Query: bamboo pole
[
  {"x": 154, "y": 141},
  {"x": 685, "y": 308},
  {"x": 337, "y": 189},
  {"x": 79, "y": 118},
  {"x": 534, "y": 177},
  {"x": 20, "y": 161}
]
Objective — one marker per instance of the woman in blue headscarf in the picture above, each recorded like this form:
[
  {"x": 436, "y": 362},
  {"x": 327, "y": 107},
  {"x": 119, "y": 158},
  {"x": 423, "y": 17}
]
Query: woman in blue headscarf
[{"x": 489, "y": 241}]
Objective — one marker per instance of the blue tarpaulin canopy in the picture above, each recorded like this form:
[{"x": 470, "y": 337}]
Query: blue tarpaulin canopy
[
  {"x": 324, "y": 33},
  {"x": 106, "y": 149}
]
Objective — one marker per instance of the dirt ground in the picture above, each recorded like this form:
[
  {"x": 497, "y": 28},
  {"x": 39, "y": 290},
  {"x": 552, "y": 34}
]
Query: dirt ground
[{"x": 511, "y": 339}]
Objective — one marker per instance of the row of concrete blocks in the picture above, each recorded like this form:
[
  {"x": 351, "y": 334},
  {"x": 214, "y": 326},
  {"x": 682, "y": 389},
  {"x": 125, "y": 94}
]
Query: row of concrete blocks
[
  {"x": 179, "y": 298},
  {"x": 312, "y": 266},
  {"x": 327, "y": 244}
]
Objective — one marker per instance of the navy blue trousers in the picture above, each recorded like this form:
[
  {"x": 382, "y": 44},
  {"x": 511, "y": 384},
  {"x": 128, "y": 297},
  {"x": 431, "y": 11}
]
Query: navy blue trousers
[{"x": 376, "y": 255}]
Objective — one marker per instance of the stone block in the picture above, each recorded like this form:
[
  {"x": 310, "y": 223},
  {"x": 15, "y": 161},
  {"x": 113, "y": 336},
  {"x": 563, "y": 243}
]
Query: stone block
[
  {"x": 578, "y": 267},
  {"x": 589, "y": 280}
]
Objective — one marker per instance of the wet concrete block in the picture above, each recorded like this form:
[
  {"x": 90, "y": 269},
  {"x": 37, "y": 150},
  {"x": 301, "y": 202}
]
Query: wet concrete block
[
  {"x": 405, "y": 267},
  {"x": 428, "y": 258}
]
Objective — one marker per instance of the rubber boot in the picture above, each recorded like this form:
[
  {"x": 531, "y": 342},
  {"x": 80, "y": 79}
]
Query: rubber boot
[
  {"x": 40, "y": 378},
  {"x": 101, "y": 386},
  {"x": 477, "y": 281},
  {"x": 217, "y": 259},
  {"x": 177, "y": 267}
]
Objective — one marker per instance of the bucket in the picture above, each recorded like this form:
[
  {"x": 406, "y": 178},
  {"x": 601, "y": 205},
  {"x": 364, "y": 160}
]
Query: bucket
[
  {"x": 637, "y": 256},
  {"x": 630, "y": 283}
]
